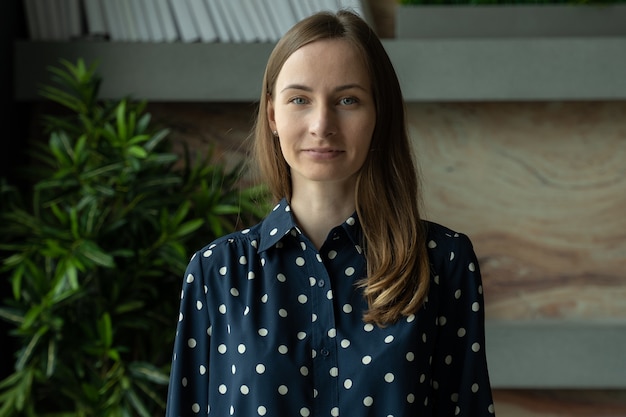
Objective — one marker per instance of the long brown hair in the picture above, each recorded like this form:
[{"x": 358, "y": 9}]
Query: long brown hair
[{"x": 387, "y": 190}]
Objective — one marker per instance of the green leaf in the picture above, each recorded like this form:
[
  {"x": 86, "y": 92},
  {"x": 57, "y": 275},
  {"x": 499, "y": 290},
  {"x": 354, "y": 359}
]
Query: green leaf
[{"x": 137, "y": 152}]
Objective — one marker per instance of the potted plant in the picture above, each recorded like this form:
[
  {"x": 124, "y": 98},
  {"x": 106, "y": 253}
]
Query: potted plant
[
  {"x": 509, "y": 18},
  {"x": 95, "y": 250}
]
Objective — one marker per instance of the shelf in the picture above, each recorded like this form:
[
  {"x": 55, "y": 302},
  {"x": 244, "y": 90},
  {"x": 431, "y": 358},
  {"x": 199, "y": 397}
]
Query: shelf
[
  {"x": 512, "y": 69},
  {"x": 556, "y": 354}
]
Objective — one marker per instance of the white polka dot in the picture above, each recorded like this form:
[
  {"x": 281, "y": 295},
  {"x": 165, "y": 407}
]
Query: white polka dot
[
  {"x": 366, "y": 360},
  {"x": 410, "y": 398},
  {"x": 261, "y": 410},
  {"x": 264, "y": 298},
  {"x": 191, "y": 343},
  {"x": 472, "y": 267},
  {"x": 273, "y": 231},
  {"x": 457, "y": 411},
  {"x": 476, "y": 347},
  {"x": 475, "y": 306},
  {"x": 302, "y": 298},
  {"x": 246, "y": 311},
  {"x": 329, "y": 294},
  {"x": 410, "y": 318},
  {"x": 304, "y": 412},
  {"x": 490, "y": 408},
  {"x": 474, "y": 388},
  {"x": 448, "y": 360},
  {"x": 232, "y": 410},
  {"x": 334, "y": 372},
  {"x": 457, "y": 294},
  {"x": 234, "y": 292},
  {"x": 222, "y": 348},
  {"x": 368, "y": 327},
  {"x": 443, "y": 320},
  {"x": 263, "y": 332},
  {"x": 332, "y": 333},
  {"x": 222, "y": 389},
  {"x": 389, "y": 339},
  {"x": 313, "y": 318},
  {"x": 282, "y": 349},
  {"x": 345, "y": 343},
  {"x": 368, "y": 401},
  {"x": 303, "y": 245},
  {"x": 301, "y": 335},
  {"x": 244, "y": 390},
  {"x": 282, "y": 390},
  {"x": 422, "y": 378},
  {"x": 195, "y": 408},
  {"x": 281, "y": 277},
  {"x": 461, "y": 332},
  {"x": 389, "y": 377},
  {"x": 304, "y": 370},
  {"x": 312, "y": 281},
  {"x": 198, "y": 305},
  {"x": 184, "y": 382},
  {"x": 222, "y": 309},
  {"x": 282, "y": 312},
  {"x": 260, "y": 368},
  {"x": 347, "y": 308},
  {"x": 299, "y": 261},
  {"x": 202, "y": 369},
  {"x": 424, "y": 337},
  {"x": 223, "y": 270},
  {"x": 334, "y": 412},
  {"x": 451, "y": 255},
  {"x": 454, "y": 397},
  {"x": 233, "y": 369},
  {"x": 241, "y": 348},
  {"x": 432, "y": 244},
  {"x": 351, "y": 221},
  {"x": 332, "y": 254},
  {"x": 347, "y": 384}
]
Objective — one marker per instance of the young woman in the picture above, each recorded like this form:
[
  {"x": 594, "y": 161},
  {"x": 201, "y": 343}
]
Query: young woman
[{"x": 343, "y": 301}]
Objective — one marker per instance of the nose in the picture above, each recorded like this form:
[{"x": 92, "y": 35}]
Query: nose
[{"x": 323, "y": 121}]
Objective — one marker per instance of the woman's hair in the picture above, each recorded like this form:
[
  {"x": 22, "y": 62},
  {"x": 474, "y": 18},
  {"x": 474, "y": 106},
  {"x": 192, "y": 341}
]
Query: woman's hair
[{"x": 387, "y": 189}]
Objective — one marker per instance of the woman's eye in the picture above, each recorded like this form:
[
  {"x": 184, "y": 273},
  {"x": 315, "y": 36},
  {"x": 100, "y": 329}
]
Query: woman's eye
[
  {"x": 298, "y": 100},
  {"x": 346, "y": 101}
]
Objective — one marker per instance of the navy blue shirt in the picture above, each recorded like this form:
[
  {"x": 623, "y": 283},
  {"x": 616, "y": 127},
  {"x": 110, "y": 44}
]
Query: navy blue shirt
[{"x": 270, "y": 326}]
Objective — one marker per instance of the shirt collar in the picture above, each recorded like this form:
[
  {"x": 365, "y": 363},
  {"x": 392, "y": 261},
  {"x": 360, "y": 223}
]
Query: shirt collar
[{"x": 280, "y": 222}]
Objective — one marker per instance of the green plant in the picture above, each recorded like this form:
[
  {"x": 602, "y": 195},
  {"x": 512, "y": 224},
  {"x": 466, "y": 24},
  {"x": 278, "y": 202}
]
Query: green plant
[{"x": 95, "y": 251}]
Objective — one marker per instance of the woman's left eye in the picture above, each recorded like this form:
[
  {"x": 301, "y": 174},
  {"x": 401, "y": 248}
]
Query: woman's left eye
[{"x": 346, "y": 101}]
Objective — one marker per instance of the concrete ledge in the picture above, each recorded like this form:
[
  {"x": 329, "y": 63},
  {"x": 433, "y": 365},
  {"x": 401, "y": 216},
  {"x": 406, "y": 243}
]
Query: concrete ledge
[
  {"x": 429, "y": 69},
  {"x": 557, "y": 354}
]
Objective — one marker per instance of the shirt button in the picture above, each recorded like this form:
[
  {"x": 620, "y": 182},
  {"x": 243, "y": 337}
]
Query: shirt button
[
  {"x": 324, "y": 352},
  {"x": 321, "y": 283}
]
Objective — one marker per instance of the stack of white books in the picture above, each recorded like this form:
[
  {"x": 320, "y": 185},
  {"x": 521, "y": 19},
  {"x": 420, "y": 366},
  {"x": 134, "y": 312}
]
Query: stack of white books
[{"x": 237, "y": 21}]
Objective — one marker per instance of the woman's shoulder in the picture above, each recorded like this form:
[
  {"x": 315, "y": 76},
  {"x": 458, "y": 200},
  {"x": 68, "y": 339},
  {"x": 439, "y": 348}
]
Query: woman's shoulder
[{"x": 449, "y": 250}]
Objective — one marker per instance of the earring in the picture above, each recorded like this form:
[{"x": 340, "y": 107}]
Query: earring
[{"x": 275, "y": 133}]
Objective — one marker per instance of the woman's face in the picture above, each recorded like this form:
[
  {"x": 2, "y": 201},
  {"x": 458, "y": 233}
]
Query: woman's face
[{"x": 323, "y": 110}]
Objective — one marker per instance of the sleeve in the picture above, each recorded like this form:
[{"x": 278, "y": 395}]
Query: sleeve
[
  {"x": 460, "y": 375},
  {"x": 189, "y": 376}
]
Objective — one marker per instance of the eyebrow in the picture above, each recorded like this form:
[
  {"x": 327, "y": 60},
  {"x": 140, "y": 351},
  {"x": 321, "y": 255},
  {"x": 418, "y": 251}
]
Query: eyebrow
[{"x": 306, "y": 88}]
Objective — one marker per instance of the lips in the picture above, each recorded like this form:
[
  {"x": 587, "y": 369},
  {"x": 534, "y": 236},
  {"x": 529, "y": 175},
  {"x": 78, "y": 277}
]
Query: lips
[{"x": 323, "y": 153}]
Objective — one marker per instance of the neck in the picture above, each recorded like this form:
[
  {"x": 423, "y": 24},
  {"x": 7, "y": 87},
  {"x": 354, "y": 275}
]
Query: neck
[{"x": 320, "y": 208}]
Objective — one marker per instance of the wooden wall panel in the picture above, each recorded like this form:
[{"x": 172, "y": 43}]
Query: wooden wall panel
[{"x": 541, "y": 190}]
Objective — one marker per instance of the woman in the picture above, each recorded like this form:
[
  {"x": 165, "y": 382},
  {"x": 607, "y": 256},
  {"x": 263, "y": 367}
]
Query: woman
[{"x": 343, "y": 301}]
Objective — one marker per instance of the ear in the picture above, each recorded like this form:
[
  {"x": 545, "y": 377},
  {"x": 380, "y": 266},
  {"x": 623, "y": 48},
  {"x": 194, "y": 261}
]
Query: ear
[{"x": 270, "y": 113}]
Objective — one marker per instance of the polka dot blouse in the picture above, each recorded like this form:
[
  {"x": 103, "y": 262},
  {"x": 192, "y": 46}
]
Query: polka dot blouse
[{"x": 270, "y": 326}]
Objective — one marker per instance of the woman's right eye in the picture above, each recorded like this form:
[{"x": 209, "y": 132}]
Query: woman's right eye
[{"x": 298, "y": 100}]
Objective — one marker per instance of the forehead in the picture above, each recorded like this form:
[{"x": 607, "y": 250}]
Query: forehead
[{"x": 325, "y": 59}]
